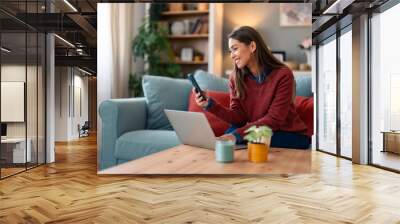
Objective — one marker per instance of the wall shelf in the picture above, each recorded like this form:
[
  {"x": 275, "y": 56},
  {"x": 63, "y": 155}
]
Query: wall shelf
[
  {"x": 188, "y": 36},
  {"x": 179, "y": 62},
  {"x": 301, "y": 72},
  {"x": 185, "y": 13}
]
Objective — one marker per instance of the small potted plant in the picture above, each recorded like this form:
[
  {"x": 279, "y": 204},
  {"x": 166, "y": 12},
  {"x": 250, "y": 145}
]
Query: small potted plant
[{"x": 258, "y": 139}]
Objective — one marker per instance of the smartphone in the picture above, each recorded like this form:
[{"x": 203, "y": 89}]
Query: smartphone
[{"x": 196, "y": 86}]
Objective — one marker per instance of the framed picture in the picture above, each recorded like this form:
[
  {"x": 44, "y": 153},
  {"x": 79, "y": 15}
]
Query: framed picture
[
  {"x": 187, "y": 54},
  {"x": 280, "y": 55},
  {"x": 295, "y": 14}
]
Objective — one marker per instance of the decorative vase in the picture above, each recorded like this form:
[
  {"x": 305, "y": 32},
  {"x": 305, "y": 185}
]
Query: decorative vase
[
  {"x": 190, "y": 6},
  {"x": 202, "y": 6},
  {"x": 258, "y": 152},
  {"x": 249, "y": 150},
  {"x": 175, "y": 7},
  {"x": 178, "y": 28}
]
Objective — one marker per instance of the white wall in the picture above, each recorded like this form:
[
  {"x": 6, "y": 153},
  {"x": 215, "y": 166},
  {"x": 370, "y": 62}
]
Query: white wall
[
  {"x": 265, "y": 18},
  {"x": 33, "y": 127},
  {"x": 70, "y": 83},
  {"x": 61, "y": 103},
  {"x": 80, "y": 83},
  {"x": 16, "y": 73},
  {"x": 215, "y": 54}
]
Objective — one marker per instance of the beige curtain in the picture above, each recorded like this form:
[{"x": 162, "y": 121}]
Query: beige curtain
[
  {"x": 121, "y": 37},
  {"x": 118, "y": 24}
]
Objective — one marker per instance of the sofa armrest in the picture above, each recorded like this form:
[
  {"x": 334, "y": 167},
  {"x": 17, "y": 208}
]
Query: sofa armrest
[{"x": 119, "y": 116}]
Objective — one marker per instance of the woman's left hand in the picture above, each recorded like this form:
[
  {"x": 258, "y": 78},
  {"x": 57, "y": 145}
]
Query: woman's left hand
[{"x": 227, "y": 137}]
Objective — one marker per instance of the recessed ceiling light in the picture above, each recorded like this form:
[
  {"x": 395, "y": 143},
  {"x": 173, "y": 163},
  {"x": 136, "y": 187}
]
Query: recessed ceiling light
[
  {"x": 84, "y": 71},
  {"x": 337, "y": 7},
  {"x": 70, "y": 5},
  {"x": 64, "y": 40},
  {"x": 5, "y": 50}
]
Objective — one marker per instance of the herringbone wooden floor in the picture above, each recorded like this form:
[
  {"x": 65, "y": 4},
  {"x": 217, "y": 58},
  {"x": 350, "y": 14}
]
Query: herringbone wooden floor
[{"x": 69, "y": 191}]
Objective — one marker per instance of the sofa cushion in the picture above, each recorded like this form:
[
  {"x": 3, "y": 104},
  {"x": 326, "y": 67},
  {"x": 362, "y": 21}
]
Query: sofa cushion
[
  {"x": 303, "y": 85},
  {"x": 305, "y": 108},
  {"x": 136, "y": 144},
  {"x": 211, "y": 82},
  {"x": 164, "y": 93},
  {"x": 219, "y": 126}
]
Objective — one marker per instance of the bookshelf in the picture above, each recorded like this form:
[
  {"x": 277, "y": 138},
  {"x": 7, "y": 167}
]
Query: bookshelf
[
  {"x": 209, "y": 44},
  {"x": 188, "y": 36},
  {"x": 189, "y": 29}
]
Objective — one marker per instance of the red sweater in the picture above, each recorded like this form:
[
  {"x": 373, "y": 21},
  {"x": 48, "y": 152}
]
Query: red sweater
[{"x": 268, "y": 103}]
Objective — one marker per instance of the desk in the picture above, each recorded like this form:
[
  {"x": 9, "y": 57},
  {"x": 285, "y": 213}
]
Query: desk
[
  {"x": 391, "y": 141},
  {"x": 16, "y": 148}
]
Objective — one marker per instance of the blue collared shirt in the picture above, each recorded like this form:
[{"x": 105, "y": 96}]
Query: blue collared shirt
[{"x": 261, "y": 78}]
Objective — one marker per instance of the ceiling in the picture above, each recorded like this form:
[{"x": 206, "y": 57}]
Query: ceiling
[
  {"x": 329, "y": 16},
  {"x": 74, "y": 22}
]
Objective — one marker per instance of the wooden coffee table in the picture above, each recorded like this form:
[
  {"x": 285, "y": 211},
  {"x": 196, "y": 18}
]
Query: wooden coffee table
[{"x": 184, "y": 159}]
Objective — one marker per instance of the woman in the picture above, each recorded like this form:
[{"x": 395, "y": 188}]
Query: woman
[{"x": 262, "y": 91}]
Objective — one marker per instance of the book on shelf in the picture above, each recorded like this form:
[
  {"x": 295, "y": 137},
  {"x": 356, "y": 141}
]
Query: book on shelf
[
  {"x": 204, "y": 27},
  {"x": 196, "y": 26},
  {"x": 201, "y": 26}
]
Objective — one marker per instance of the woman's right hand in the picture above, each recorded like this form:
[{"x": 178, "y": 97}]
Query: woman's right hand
[{"x": 199, "y": 99}]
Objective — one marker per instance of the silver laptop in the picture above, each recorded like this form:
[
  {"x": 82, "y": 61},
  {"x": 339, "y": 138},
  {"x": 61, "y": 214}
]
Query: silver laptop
[{"x": 193, "y": 129}]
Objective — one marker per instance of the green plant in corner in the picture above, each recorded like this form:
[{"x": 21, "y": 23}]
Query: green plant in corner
[
  {"x": 135, "y": 85},
  {"x": 258, "y": 135},
  {"x": 153, "y": 46}
]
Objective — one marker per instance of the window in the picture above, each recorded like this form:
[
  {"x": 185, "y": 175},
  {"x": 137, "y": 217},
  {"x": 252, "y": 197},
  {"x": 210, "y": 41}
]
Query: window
[
  {"x": 385, "y": 89},
  {"x": 346, "y": 93},
  {"x": 22, "y": 77},
  {"x": 327, "y": 96}
]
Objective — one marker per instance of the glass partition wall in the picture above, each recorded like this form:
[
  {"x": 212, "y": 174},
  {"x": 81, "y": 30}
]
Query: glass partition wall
[
  {"x": 334, "y": 89},
  {"x": 345, "y": 93},
  {"x": 334, "y": 95},
  {"x": 22, "y": 77},
  {"x": 385, "y": 90},
  {"x": 327, "y": 95}
]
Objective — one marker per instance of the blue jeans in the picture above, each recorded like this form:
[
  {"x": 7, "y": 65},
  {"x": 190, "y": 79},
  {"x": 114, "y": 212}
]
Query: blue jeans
[{"x": 282, "y": 139}]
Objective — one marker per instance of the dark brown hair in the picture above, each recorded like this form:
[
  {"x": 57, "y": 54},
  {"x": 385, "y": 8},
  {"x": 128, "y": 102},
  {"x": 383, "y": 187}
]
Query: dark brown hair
[{"x": 264, "y": 57}]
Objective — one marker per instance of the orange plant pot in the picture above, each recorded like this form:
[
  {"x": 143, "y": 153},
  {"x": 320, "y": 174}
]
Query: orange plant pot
[
  {"x": 258, "y": 153},
  {"x": 249, "y": 150}
]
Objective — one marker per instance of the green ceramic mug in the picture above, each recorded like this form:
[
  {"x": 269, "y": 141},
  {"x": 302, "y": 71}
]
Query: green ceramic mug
[{"x": 224, "y": 151}]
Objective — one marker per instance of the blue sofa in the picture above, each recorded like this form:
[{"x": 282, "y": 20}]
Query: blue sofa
[{"x": 136, "y": 127}]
